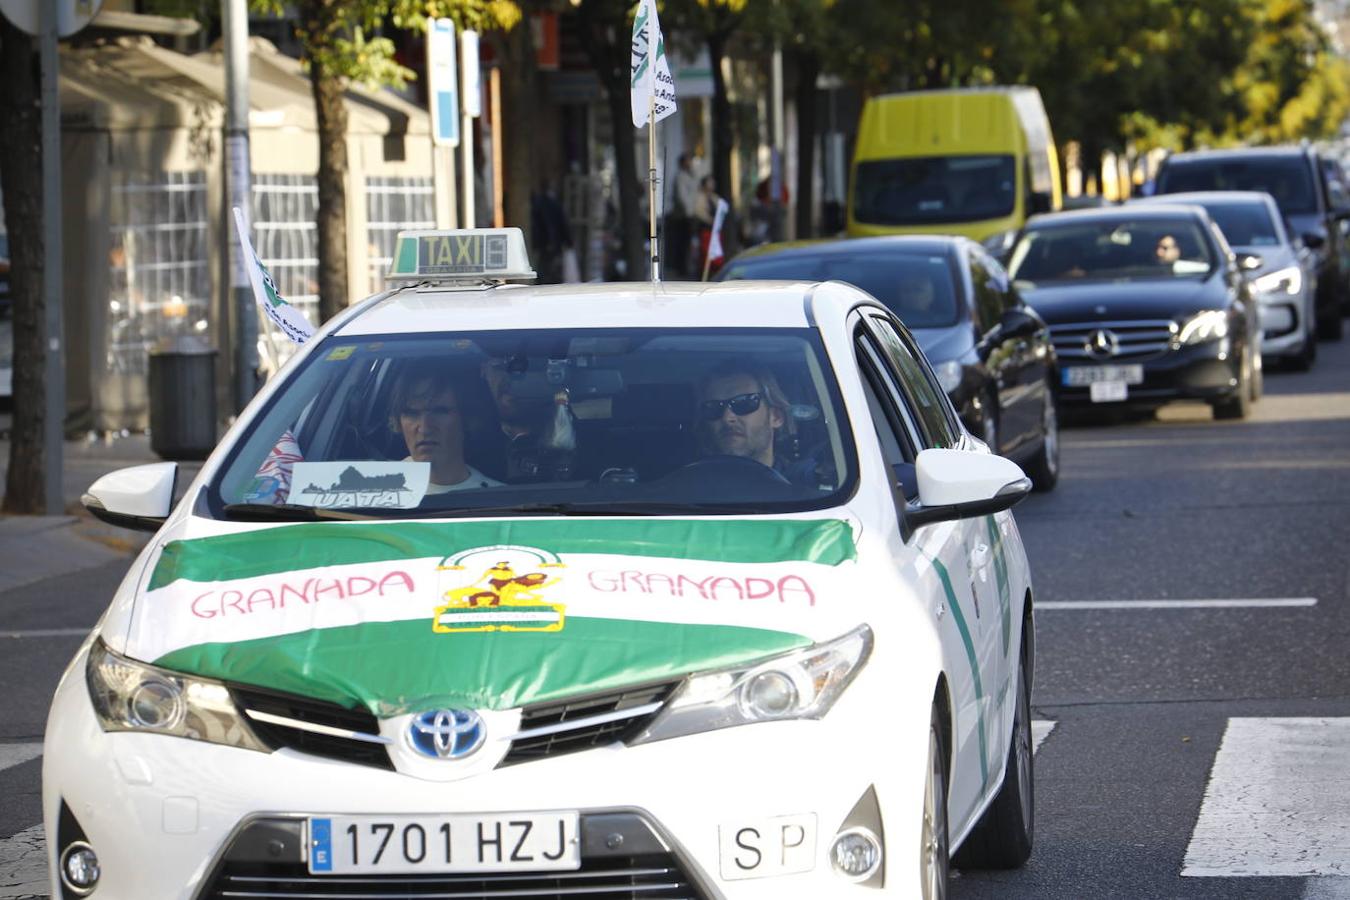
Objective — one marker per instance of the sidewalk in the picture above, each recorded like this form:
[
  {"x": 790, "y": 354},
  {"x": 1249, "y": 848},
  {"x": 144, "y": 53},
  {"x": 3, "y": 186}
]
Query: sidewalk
[{"x": 33, "y": 548}]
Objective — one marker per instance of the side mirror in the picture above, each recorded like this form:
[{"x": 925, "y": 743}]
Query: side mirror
[
  {"x": 1313, "y": 241},
  {"x": 1040, "y": 203},
  {"x": 1250, "y": 262},
  {"x": 964, "y": 484},
  {"x": 139, "y": 498},
  {"x": 1017, "y": 323}
]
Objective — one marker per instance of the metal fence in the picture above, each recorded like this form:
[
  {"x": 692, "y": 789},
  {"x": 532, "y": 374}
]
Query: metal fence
[
  {"x": 394, "y": 205},
  {"x": 158, "y": 262}
]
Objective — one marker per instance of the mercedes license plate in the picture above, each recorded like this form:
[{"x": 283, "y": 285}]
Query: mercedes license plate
[
  {"x": 461, "y": 842},
  {"x": 1082, "y": 376}
]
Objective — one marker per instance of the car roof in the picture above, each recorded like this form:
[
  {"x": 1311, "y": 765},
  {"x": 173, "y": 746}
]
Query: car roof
[
  {"x": 1130, "y": 212},
  {"x": 896, "y": 243},
  {"x": 438, "y": 308},
  {"x": 1285, "y": 152},
  {"x": 1212, "y": 198}
]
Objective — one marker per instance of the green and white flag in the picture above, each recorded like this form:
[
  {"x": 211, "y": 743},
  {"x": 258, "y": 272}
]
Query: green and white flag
[
  {"x": 290, "y": 320},
  {"x": 650, "y": 78}
]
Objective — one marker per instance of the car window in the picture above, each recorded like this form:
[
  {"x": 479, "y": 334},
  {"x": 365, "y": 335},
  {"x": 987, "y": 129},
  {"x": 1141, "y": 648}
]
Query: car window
[
  {"x": 713, "y": 419},
  {"x": 916, "y": 383},
  {"x": 1115, "y": 249},
  {"x": 896, "y": 432},
  {"x": 1288, "y": 179},
  {"x": 931, "y": 189},
  {"x": 989, "y": 293},
  {"x": 1248, "y": 225},
  {"x": 917, "y": 287}
]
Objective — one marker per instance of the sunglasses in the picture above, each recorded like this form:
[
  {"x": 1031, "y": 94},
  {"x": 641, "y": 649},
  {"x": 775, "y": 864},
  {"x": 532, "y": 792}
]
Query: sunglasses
[{"x": 741, "y": 405}]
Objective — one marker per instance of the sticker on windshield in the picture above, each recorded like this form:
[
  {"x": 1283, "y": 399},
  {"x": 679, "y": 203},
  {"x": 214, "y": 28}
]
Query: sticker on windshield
[{"x": 359, "y": 484}]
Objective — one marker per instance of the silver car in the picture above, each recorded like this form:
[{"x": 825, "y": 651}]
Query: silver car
[{"x": 1281, "y": 268}]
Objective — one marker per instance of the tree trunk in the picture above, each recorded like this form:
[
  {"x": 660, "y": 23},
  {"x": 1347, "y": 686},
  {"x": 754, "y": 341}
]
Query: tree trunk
[
  {"x": 21, "y": 183},
  {"x": 518, "y": 102},
  {"x": 331, "y": 114},
  {"x": 808, "y": 67}
]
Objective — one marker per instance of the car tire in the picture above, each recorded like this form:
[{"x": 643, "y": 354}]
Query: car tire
[
  {"x": 1258, "y": 379},
  {"x": 1003, "y": 837},
  {"x": 1239, "y": 404},
  {"x": 934, "y": 860},
  {"x": 1304, "y": 359},
  {"x": 1044, "y": 466},
  {"x": 1330, "y": 326}
]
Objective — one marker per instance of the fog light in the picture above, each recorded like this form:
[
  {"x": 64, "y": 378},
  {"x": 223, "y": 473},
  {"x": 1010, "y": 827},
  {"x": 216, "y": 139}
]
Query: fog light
[
  {"x": 79, "y": 868},
  {"x": 770, "y": 695},
  {"x": 856, "y": 854}
]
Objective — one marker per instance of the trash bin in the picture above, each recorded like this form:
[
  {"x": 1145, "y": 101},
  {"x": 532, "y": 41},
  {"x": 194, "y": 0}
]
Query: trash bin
[{"x": 182, "y": 398}]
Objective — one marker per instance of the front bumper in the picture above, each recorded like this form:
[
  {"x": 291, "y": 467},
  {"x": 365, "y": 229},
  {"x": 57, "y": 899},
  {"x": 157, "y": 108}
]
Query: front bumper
[
  {"x": 1208, "y": 371},
  {"x": 176, "y": 818},
  {"x": 1284, "y": 331}
]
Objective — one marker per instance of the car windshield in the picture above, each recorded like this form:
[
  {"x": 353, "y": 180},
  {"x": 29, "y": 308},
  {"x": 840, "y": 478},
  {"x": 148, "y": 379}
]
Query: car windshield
[
  {"x": 1288, "y": 180},
  {"x": 1249, "y": 225},
  {"x": 918, "y": 288},
  {"x": 924, "y": 190},
  {"x": 579, "y": 422},
  {"x": 1114, "y": 249}
]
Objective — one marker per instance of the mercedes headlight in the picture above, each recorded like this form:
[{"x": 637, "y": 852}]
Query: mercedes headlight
[
  {"x": 801, "y": 684},
  {"x": 1284, "y": 281},
  {"x": 948, "y": 374},
  {"x": 1210, "y": 325},
  {"x": 133, "y": 696}
]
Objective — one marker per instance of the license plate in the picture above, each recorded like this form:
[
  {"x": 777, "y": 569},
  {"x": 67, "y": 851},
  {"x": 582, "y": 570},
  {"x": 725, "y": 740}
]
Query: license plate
[
  {"x": 1108, "y": 391},
  {"x": 1082, "y": 376},
  {"x": 766, "y": 848},
  {"x": 483, "y": 842}
]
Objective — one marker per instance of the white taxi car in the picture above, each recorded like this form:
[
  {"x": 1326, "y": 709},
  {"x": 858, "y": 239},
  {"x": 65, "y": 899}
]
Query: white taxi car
[{"x": 628, "y": 590}]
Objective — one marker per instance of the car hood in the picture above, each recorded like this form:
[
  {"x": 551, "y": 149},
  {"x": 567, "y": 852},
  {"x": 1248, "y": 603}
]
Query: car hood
[
  {"x": 402, "y": 616},
  {"x": 1089, "y": 301},
  {"x": 942, "y": 344}
]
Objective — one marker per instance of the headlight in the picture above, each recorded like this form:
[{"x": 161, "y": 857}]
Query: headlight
[
  {"x": 948, "y": 375},
  {"x": 1285, "y": 281},
  {"x": 1206, "y": 326},
  {"x": 802, "y": 684},
  {"x": 132, "y": 696}
]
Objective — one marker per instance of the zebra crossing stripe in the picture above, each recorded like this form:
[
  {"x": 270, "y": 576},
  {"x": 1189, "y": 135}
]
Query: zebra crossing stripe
[
  {"x": 17, "y": 754},
  {"x": 1277, "y": 803},
  {"x": 1040, "y": 730}
]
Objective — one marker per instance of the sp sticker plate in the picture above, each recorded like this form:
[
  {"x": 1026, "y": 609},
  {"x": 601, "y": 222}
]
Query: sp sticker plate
[{"x": 764, "y": 848}]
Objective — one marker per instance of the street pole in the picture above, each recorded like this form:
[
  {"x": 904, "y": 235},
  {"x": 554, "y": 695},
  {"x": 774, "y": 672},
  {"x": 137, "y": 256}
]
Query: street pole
[
  {"x": 238, "y": 188},
  {"x": 52, "y": 287},
  {"x": 471, "y": 106}
]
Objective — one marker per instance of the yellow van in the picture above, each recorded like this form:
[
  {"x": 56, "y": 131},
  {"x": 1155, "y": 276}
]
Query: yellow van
[{"x": 975, "y": 162}]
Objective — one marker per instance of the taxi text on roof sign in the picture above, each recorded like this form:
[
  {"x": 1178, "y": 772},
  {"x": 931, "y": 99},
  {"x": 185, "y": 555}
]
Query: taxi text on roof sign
[{"x": 468, "y": 254}]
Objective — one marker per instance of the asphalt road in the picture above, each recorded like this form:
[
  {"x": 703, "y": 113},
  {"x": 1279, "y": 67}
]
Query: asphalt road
[{"x": 1154, "y": 763}]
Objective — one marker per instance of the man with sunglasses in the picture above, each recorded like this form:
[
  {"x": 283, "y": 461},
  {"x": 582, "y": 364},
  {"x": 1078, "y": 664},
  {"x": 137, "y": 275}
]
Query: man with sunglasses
[{"x": 744, "y": 412}]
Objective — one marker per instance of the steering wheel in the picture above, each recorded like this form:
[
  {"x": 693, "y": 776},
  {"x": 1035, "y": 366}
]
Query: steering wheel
[{"x": 729, "y": 468}]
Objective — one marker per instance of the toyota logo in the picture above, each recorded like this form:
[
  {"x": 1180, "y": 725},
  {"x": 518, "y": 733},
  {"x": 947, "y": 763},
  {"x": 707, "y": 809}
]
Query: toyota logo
[
  {"x": 447, "y": 733},
  {"x": 1102, "y": 344}
]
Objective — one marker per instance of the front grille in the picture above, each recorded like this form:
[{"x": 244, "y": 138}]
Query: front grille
[
  {"x": 587, "y": 732},
  {"x": 1136, "y": 340},
  {"x": 313, "y": 712},
  {"x": 652, "y": 877}
]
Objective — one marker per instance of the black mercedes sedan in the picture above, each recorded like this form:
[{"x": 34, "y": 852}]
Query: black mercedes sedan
[
  {"x": 1145, "y": 305},
  {"x": 989, "y": 351}
]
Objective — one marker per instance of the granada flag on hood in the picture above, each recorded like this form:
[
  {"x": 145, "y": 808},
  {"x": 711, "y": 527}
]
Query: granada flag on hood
[{"x": 649, "y": 68}]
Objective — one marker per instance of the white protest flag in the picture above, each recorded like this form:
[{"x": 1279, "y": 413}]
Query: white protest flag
[
  {"x": 648, "y": 78},
  {"x": 286, "y": 317},
  {"x": 715, "y": 239}
]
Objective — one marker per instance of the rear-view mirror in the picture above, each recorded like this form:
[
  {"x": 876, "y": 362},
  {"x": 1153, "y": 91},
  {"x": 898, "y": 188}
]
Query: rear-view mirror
[
  {"x": 140, "y": 497},
  {"x": 1313, "y": 241}
]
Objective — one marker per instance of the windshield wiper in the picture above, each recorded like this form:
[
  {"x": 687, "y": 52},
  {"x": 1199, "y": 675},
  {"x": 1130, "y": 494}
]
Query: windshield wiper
[
  {"x": 596, "y": 508},
  {"x": 289, "y": 512}
]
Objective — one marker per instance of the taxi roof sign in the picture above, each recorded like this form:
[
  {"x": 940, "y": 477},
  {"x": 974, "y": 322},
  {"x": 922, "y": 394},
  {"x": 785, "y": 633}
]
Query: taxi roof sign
[{"x": 465, "y": 255}]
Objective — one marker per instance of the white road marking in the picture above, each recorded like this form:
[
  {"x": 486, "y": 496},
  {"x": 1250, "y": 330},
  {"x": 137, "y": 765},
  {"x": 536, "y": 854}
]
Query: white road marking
[
  {"x": 1040, "y": 730},
  {"x": 15, "y": 754},
  {"x": 1277, "y": 802},
  {"x": 23, "y": 864},
  {"x": 47, "y": 632},
  {"x": 1251, "y": 603}
]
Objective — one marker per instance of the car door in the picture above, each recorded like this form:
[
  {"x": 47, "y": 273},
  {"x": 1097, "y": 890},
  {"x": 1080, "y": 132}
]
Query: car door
[
  {"x": 1030, "y": 357},
  {"x": 958, "y": 553},
  {"x": 998, "y": 354}
]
